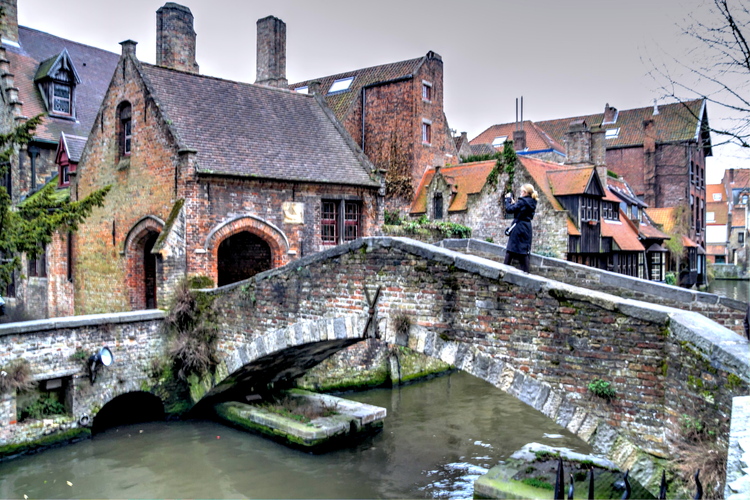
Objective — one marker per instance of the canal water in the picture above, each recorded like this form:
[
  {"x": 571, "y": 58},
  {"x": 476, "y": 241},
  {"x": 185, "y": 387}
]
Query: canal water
[
  {"x": 439, "y": 436},
  {"x": 734, "y": 289}
]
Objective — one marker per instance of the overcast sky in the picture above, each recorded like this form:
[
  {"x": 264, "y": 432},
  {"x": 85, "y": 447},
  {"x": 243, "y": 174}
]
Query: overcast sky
[{"x": 565, "y": 57}]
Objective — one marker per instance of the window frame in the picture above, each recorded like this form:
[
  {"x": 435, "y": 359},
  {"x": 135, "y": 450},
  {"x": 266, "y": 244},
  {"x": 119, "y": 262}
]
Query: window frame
[
  {"x": 426, "y": 132},
  {"x": 426, "y": 91},
  {"x": 341, "y": 85},
  {"x": 340, "y": 221},
  {"x": 37, "y": 267}
]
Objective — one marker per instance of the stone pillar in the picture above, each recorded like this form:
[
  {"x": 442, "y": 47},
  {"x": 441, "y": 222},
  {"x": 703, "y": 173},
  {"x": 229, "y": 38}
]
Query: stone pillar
[
  {"x": 175, "y": 38},
  {"x": 271, "y": 53},
  {"x": 9, "y": 21},
  {"x": 649, "y": 162}
]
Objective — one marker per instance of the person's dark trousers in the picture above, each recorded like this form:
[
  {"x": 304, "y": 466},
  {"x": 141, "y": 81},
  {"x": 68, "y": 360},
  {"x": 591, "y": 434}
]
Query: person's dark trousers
[{"x": 523, "y": 260}]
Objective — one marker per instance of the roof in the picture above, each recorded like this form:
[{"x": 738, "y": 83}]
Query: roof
[
  {"x": 675, "y": 122},
  {"x": 740, "y": 178},
  {"x": 465, "y": 179},
  {"x": 712, "y": 189},
  {"x": 716, "y": 249},
  {"x": 482, "y": 149},
  {"x": 663, "y": 217},
  {"x": 248, "y": 130},
  {"x": 538, "y": 170},
  {"x": 720, "y": 210},
  {"x": 93, "y": 66},
  {"x": 341, "y": 102},
  {"x": 536, "y": 138},
  {"x": 623, "y": 233},
  {"x": 74, "y": 145},
  {"x": 570, "y": 180},
  {"x": 647, "y": 231},
  {"x": 738, "y": 216}
]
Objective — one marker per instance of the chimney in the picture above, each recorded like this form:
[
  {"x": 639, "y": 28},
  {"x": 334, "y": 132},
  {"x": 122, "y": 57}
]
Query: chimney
[
  {"x": 578, "y": 143},
  {"x": 128, "y": 47},
  {"x": 313, "y": 88},
  {"x": 519, "y": 140},
  {"x": 175, "y": 38},
  {"x": 610, "y": 114},
  {"x": 271, "y": 50},
  {"x": 649, "y": 160},
  {"x": 598, "y": 148},
  {"x": 656, "y": 108},
  {"x": 9, "y": 22}
]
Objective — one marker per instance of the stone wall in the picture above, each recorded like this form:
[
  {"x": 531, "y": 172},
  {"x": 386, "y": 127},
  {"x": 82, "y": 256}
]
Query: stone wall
[{"x": 724, "y": 311}]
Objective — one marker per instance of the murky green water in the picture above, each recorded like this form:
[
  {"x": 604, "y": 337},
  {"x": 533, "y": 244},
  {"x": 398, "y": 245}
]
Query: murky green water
[
  {"x": 734, "y": 289},
  {"x": 439, "y": 436}
]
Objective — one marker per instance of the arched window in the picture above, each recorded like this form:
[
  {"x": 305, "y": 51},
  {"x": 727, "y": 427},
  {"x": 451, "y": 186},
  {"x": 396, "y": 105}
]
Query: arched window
[{"x": 124, "y": 129}]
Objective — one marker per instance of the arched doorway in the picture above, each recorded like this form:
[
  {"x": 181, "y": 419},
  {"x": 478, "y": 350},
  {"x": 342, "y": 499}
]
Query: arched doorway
[
  {"x": 149, "y": 271},
  {"x": 241, "y": 256}
]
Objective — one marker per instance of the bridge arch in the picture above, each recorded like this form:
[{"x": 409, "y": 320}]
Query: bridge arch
[
  {"x": 141, "y": 263},
  {"x": 128, "y": 408},
  {"x": 263, "y": 246}
]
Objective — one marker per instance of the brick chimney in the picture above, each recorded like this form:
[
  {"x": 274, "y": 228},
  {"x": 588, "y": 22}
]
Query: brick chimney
[
  {"x": 271, "y": 53},
  {"x": 610, "y": 114},
  {"x": 578, "y": 143},
  {"x": 519, "y": 140},
  {"x": 175, "y": 38},
  {"x": 649, "y": 160},
  {"x": 9, "y": 22}
]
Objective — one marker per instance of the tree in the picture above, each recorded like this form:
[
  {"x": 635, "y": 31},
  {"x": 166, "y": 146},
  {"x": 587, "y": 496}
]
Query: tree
[
  {"x": 31, "y": 224},
  {"x": 719, "y": 67},
  {"x": 674, "y": 244}
]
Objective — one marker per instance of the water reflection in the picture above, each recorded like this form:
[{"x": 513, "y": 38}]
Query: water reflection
[
  {"x": 439, "y": 436},
  {"x": 734, "y": 289}
]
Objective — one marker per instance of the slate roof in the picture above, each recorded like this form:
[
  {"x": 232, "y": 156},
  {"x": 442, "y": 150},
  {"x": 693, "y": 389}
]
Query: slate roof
[
  {"x": 248, "y": 130},
  {"x": 536, "y": 138},
  {"x": 341, "y": 102},
  {"x": 674, "y": 123},
  {"x": 482, "y": 149},
  {"x": 74, "y": 145},
  {"x": 94, "y": 67}
]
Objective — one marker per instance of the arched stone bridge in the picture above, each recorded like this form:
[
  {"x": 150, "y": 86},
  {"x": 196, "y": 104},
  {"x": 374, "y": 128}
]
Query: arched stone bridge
[{"x": 540, "y": 340}]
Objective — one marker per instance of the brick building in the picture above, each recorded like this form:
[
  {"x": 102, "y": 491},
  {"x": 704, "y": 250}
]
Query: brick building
[
  {"x": 41, "y": 74},
  {"x": 210, "y": 177},
  {"x": 395, "y": 114},
  {"x": 659, "y": 150},
  {"x": 583, "y": 214}
]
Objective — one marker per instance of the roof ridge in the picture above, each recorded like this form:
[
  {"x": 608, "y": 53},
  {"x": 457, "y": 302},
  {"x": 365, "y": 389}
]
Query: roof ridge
[
  {"x": 68, "y": 40},
  {"x": 344, "y": 74}
]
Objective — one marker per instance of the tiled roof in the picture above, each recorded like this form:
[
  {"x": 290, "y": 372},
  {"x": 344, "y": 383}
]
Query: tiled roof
[
  {"x": 538, "y": 169},
  {"x": 94, "y": 67},
  {"x": 248, "y": 130},
  {"x": 712, "y": 189},
  {"x": 482, "y": 149},
  {"x": 465, "y": 179},
  {"x": 663, "y": 217},
  {"x": 650, "y": 232},
  {"x": 674, "y": 122},
  {"x": 720, "y": 210},
  {"x": 536, "y": 138},
  {"x": 74, "y": 146},
  {"x": 623, "y": 233},
  {"x": 740, "y": 178},
  {"x": 570, "y": 180},
  {"x": 341, "y": 102}
]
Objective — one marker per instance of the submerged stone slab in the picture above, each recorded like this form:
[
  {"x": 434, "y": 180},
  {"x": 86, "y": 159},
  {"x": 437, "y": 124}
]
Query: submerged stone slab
[{"x": 348, "y": 420}]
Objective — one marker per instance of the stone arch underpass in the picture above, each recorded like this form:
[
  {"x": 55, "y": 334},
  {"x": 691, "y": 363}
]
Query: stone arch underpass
[{"x": 541, "y": 341}]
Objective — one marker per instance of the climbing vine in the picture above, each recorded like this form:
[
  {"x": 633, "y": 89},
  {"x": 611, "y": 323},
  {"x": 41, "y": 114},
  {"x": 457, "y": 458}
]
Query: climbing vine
[
  {"x": 398, "y": 182},
  {"x": 506, "y": 162}
]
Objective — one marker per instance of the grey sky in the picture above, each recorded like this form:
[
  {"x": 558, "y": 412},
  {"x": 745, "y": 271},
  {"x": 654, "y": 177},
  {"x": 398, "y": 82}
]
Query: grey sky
[{"x": 565, "y": 57}]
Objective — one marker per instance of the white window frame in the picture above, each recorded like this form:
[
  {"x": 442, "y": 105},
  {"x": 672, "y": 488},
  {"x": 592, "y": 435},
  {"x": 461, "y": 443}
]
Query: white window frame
[
  {"x": 612, "y": 133},
  {"x": 499, "y": 141},
  {"x": 341, "y": 85}
]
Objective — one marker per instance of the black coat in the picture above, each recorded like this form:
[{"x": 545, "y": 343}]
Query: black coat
[{"x": 523, "y": 210}]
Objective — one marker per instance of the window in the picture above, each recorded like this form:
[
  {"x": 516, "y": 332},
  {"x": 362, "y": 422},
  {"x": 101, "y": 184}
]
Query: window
[
  {"x": 64, "y": 175},
  {"x": 426, "y": 91},
  {"x": 610, "y": 210},
  {"x": 656, "y": 265},
  {"x": 741, "y": 238},
  {"x": 61, "y": 99},
  {"x": 426, "y": 132},
  {"x": 437, "y": 207},
  {"x": 38, "y": 266},
  {"x": 125, "y": 130},
  {"x": 612, "y": 133},
  {"x": 589, "y": 209},
  {"x": 499, "y": 141},
  {"x": 710, "y": 217},
  {"x": 341, "y": 85},
  {"x": 302, "y": 90},
  {"x": 717, "y": 196},
  {"x": 744, "y": 199},
  {"x": 332, "y": 225}
]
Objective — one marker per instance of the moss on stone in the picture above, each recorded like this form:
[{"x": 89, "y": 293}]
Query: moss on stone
[
  {"x": 55, "y": 439},
  {"x": 168, "y": 224}
]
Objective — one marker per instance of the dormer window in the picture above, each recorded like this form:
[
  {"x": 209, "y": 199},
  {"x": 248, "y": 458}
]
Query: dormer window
[
  {"x": 57, "y": 79},
  {"x": 610, "y": 210},
  {"x": 589, "y": 209}
]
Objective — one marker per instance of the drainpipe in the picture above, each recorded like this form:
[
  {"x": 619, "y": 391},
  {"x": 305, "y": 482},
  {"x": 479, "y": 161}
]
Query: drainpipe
[
  {"x": 33, "y": 153},
  {"x": 364, "y": 97}
]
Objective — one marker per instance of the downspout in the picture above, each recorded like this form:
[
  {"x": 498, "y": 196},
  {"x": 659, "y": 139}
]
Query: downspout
[{"x": 364, "y": 97}]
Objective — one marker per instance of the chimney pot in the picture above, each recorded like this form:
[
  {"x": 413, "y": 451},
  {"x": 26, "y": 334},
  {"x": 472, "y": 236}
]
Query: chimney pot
[
  {"x": 313, "y": 88},
  {"x": 128, "y": 47}
]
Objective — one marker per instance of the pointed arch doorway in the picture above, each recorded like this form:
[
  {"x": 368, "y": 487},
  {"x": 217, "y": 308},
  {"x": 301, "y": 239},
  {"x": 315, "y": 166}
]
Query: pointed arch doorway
[{"x": 241, "y": 256}]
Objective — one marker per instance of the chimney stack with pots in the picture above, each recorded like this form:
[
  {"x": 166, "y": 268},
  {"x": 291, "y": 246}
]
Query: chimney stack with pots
[
  {"x": 271, "y": 50},
  {"x": 175, "y": 38}
]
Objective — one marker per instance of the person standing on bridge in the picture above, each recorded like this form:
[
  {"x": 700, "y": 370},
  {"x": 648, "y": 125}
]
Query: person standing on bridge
[{"x": 519, "y": 242}]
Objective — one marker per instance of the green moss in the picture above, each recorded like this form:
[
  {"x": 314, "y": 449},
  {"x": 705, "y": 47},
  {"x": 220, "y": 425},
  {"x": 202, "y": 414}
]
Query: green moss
[
  {"x": 664, "y": 367},
  {"x": 733, "y": 382},
  {"x": 168, "y": 224},
  {"x": 695, "y": 382},
  {"x": 58, "y": 438},
  {"x": 538, "y": 483},
  {"x": 200, "y": 281}
]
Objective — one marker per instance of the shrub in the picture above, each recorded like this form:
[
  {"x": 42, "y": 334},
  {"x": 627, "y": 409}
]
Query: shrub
[
  {"x": 670, "y": 278},
  {"x": 16, "y": 377},
  {"x": 43, "y": 406},
  {"x": 602, "y": 389},
  {"x": 392, "y": 218}
]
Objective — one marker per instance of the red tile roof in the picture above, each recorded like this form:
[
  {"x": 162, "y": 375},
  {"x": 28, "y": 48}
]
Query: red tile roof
[
  {"x": 570, "y": 180},
  {"x": 712, "y": 189},
  {"x": 536, "y": 138},
  {"x": 623, "y": 233},
  {"x": 663, "y": 217},
  {"x": 465, "y": 179}
]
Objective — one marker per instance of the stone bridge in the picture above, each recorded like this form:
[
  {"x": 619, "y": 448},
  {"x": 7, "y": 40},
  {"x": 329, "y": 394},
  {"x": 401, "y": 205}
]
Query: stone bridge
[{"x": 540, "y": 340}]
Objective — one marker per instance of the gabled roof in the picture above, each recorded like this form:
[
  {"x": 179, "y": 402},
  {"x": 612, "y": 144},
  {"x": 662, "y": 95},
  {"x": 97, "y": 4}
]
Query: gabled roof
[
  {"x": 482, "y": 149},
  {"x": 73, "y": 146},
  {"x": 48, "y": 68},
  {"x": 247, "y": 130},
  {"x": 536, "y": 138},
  {"x": 538, "y": 169},
  {"x": 674, "y": 123},
  {"x": 623, "y": 232},
  {"x": 341, "y": 102},
  {"x": 465, "y": 179},
  {"x": 93, "y": 66},
  {"x": 712, "y": 189},
  {"x": 740, "y": 178},
  {"x": 571, "y": 181}
]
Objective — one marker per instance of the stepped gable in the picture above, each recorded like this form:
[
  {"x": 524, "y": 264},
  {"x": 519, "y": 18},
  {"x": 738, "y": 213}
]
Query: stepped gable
[{"x": 248, "y": 130}]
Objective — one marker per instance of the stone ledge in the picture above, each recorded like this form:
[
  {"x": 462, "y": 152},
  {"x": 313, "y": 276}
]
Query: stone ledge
[{"x": 43, "y": 325}]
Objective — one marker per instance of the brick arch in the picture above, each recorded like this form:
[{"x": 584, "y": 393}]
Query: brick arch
[
  {"x": 272, "y": 235},
  {"x": 133, "y": 248}
]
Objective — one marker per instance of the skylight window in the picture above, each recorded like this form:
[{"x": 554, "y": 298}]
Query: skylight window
[
  {"x": 612, "y": 133},
  {"x": 341, "y": 85},
  {"x": 302, "y": 90},
  {"x": 717, "y": 196},
  {"x": 499, "y": 141}
]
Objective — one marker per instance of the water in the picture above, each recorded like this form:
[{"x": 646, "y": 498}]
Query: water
[
  {"x": 734, "y": 289},
  {"x": 439, "y": 436}
]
